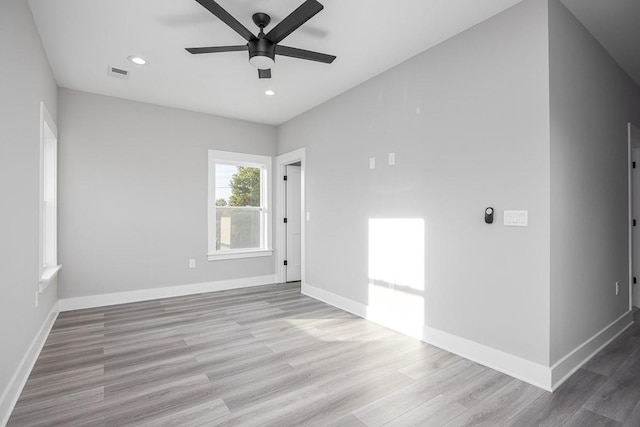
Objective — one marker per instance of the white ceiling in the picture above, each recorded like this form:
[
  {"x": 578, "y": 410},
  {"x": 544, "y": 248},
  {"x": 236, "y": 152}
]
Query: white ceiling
[{"x": 83, "y": 38}]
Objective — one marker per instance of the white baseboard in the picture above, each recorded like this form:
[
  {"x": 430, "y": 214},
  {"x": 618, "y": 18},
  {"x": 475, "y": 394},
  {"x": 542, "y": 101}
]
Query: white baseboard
[
  {"x": 517, "y": 367},
  {"x": 12, "y": 392},
  {"x": 78, "y": 303},
  {"x": 566, "y": 366},
  {"x": 330, "y": 298},
  {"x": 514, "y": 366}
]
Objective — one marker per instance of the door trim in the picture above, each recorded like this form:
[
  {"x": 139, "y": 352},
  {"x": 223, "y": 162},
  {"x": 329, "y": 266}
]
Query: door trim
[
  {"x": 632, "y": 131},
  {"x": 281, "y": 209},
  {"x": 630, "y": 213}
]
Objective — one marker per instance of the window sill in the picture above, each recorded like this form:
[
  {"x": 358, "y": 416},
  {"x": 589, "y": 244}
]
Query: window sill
[
  {"x": 237, "y": 255},
  {"x": 48, "y": 275}
]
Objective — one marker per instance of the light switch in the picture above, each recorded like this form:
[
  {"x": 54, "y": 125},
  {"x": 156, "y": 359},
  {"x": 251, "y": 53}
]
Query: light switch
[
  {"x": 392, "y": 159},
  {"x": 372, "y": 162},
  {"x": 516, "y": 218},
  {"x": 308, "y": 216}
]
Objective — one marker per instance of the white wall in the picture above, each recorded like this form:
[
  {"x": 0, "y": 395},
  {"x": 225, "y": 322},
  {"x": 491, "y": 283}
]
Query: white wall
[
  {"x": 469, "y": 123},
  {"x": 592, "y": 100},
  {"x": 25, "y": 81},
  {"x": 133, "y": 194}
]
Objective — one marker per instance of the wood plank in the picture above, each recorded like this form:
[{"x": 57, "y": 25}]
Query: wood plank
[
  {"x": 435, "y": 412},
  {"x": 586, "y": 418},
  {"x": 555, "y": 409},
  {"x": 617, "y": 398},
  {"x": 500, "y": 407}
]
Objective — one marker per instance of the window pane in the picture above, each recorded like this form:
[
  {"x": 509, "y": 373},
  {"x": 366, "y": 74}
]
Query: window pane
[
  {"x": 237, "y": 186},
  {"x": 237, "y": 229}
]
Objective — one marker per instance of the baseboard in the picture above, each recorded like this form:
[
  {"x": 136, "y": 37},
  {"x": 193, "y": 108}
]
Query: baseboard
[
  {"x": 78, "y": 303},
  {"x": 330, "y": 298},
  {"x": 522, "y": 369},
  {"x": 12, "y": 392},
  {"x": 570, "y": 363},
  {"x": 514, "y": 366}
]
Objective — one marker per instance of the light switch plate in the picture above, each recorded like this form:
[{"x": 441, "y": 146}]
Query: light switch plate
[
  {"x": 392, "y": 159},
  {"x": 516, "y": 218},
  {"x": 372, "y": 162}
]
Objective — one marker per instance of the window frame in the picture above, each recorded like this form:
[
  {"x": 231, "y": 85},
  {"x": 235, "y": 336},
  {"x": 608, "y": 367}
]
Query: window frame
[
  {"x": 245, "y": 160},
  {"x": 48, "y": 229}
]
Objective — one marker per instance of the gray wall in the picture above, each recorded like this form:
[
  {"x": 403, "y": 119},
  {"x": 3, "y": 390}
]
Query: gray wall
[
  {"x": 25, "y": 81},
  {"x": 469, "y": 123},
  {"x": 591, "y": 102},
  {"x": 133, "y": 194}
]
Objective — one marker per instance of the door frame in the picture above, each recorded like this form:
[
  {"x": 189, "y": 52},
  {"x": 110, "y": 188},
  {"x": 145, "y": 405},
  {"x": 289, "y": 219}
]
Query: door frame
[
  {"x": 281, "y": 161},
  {"x": 632, "y": 131}
]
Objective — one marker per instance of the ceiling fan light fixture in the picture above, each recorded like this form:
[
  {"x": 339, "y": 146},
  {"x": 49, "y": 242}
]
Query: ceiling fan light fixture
[
  {"x": 269, "y": 92},
  {"x": 263, "y": 48},
  {"x": 262, "y": 62}
]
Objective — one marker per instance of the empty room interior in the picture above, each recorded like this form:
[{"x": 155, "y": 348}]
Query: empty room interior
[{"x": 349, "y": 213}]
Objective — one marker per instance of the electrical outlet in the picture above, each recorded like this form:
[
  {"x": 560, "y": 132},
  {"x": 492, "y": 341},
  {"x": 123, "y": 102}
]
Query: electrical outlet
[
  {"x": 37, "y": 294},
  {"x": 617, "y": 288},
  {"x": 192, "y": 263}
]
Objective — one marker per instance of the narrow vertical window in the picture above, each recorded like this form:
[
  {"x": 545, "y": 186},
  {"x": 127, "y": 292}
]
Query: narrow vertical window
[{"x": 48, "y": 199}]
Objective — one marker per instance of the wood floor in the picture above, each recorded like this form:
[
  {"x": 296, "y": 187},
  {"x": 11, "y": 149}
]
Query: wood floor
[{"x": 269, "y": 356}]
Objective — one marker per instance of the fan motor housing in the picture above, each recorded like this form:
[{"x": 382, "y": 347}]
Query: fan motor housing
[{"x": 262, "y": 47}]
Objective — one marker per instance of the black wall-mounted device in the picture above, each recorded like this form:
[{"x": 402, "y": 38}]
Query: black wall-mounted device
[{"x": 488, "y": 215}]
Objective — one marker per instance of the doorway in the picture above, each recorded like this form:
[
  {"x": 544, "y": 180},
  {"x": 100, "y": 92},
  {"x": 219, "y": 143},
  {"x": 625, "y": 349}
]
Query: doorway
[
  {"x": 293, "y": 223},
  {"x": 634, "y": 193},
  {"x": 291, "y": 217}
]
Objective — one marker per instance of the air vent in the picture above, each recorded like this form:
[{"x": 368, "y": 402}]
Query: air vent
[{"x": 118, "y": 73}]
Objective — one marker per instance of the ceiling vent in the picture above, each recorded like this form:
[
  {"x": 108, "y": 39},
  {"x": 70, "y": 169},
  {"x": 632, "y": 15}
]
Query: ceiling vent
[{"x": 118, "y": 73}]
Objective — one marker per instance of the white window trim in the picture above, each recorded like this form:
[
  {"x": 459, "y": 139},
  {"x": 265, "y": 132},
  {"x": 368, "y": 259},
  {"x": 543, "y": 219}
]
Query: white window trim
[
  {"x": 48, "y": 199},
  {"x": 248, "y": 160}
]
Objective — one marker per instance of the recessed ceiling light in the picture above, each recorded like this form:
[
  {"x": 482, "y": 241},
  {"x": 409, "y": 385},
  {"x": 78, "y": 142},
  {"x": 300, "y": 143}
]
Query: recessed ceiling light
[
  {"x": 137, "y": 60},
  {"x": 269, "y": 92}
]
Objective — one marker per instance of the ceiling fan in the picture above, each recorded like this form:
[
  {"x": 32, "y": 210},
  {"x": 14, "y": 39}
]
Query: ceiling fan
[{"x": 264, "y": 47}]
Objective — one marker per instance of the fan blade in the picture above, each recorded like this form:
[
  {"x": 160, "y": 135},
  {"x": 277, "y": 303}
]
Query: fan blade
[
  {"x": 304, "y": 54},
  {"x": 264, "y": 74},
  {"x": 215, "y": 49},
  {"x": 226, "y": 17},
  {"x": 295, "y": 19}
]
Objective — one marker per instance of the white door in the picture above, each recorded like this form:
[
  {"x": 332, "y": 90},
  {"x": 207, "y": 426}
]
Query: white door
[{"x": 293, "y": 225}]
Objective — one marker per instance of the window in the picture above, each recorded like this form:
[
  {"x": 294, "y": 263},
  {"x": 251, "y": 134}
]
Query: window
[
  {"x": 48, "y": 199},
  {"x": 239, "y": 195}
]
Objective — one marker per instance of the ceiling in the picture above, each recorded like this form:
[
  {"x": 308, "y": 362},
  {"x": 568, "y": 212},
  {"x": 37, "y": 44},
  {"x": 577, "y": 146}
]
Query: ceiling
[{"x": 82, "y": 38}]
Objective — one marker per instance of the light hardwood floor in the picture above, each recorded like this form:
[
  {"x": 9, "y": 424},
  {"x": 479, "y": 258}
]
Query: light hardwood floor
[{"x": 269, "y": 356}]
